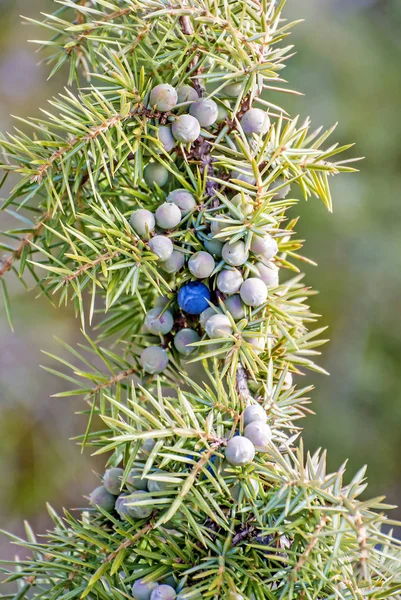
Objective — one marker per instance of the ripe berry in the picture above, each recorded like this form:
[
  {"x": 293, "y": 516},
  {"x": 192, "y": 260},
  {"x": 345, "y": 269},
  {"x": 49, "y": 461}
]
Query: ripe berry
[
  {"x": 128, "y": 505},
  {"x": 235, "y": 254},
  {"x": 143, "y": 591},
  {"x": 183, "y": 338},
  {"x": 163, "y": 592},
  {"x": 259, "y": 434},
  {"x": 254, "y": 412},
  {"x": 166, "y": 138},
  {"x": 201, "y": 264},
  {"x": 159, "y": 323},
  {"x": 174, "y": 263},
  {"x": 247, "y": 176},
  {"x": 205, "y": 315},
  {"x": 240, "y": 451},
  {"x": 155, "y": 174},
  {"x": 193, "y": 297},
  {"x": 243, "y": 202},
  {"x": 112, "y": 480},
  {"x": 218, "y": 326},
  {"x": 229, "y": 281},
  {"x": 205, "y": 111},
  {"x": 217, "y": 227},
  {"x": 102, "y": 498},
  {"x": 154, "y": 359},
  {"x": 265, "y": 245},
  {"x": 135, "y": 481},
  {"x": 159, "y": 486},
  {"x": 183, "y": 199},
  {"x": 214, "y": 246},
  {"x": 235, "y": 307},
  {"x": 168, "y": 215},
  {"x": 253, "y": 292},
  {"x": 186, "y": 129},
  {"x": 255, "y": 120},
  {"x": 163, "y": 97},
  {"x": 186, "y": 93},
  {"x": 142, "y": 221},
  {"x": 162, "y": 246},
  {"x": 268, "y": 272}
]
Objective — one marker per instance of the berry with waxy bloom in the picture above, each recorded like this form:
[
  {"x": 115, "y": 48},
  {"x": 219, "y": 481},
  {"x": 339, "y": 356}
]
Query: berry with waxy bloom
[
  {"x": 163, "y": 97},
  {"x": 229, "y": 281},
  {"x": 135, "y": 481},
  {"x": 174, "y": 263},
  {"x": 232, "y": 90},
  {"x": 148, "y": 444},
  {"x": 240, "y": 451},
  {"x": 143, "y": 591},
  {"x": 162, "y": 246},
  {"x": 235, "y": 254},
  {"x": 129, "y": 505},
  {"x": 265, "y": 245},
  {"x": 245, "y": 175},
  {"x": 288, "y": 380},
  {"x": 155, "y": 174},
  {"x": 254, "y": 412},
  {"x": 159, "y": 322},
  {"x": 158, "y": 485},
  {"x": 255, "y": 120},
  {"x": 206, "y": 314},
  {"x": 201, "y": 264},
  {"x": 186, "y": 93},
  {"x": 253, "y": 292},
  {"x": 168, "y": 215},
  {"x": 183, "y": 199},
  {"x": 285, "y": 190},
  {"x": 259, "y": 434},
  {"x": 154, "y": 359},
  {"x": 161, "y": 302},
  {"x": 235, "y": 307},
  {"x": 193, "y": 297},
  {"x": 268, "y": 273},
  {"x": 142, "y": 222},
  {"x": 214, "y": 246},
  {"x": 166, "y": 139},
  {"x": 102, "y": 498},
  {"x": 205, "y": 111},
  {"x": 243, "y": 202},
  {"x": 112, "y": 480},
  {"x": 163, "y": 592},
  {"x": 222, "y": 113},
  {"x": 218, "y": 326},
  {"x": 183, "y": 338},
  {"x": 258, "y": 343},
  {"x": 217, "y": 227},
  {"x": 186, "y": 129}
]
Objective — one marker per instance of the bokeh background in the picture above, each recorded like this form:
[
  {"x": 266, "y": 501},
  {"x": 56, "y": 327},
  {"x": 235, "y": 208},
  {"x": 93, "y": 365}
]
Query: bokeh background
[{"x": 348, "y": 65}]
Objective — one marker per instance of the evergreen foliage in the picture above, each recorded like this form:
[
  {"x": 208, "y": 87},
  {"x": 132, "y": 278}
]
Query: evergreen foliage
[{"x": 210, "y": 496}]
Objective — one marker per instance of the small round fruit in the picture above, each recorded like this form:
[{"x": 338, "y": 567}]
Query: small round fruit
[
  {"x": 137, "y": 512},
  {"x": 166, "y": 139},
  {"x": 148, "y": 444},
  {"x": 135, "y": 481},
  {"x": 155, "y": 174},
  {"x": 253, "y": 292},
  {"x": 235, "y": 254},
  {"x": 255, "y": 120},
  {"x": 163, "y": 97},
  {"x": 247, "y": 175},
  {"x": 232, "y": 90},
  {"x": 205, "y": 111},
  {"x": 154, "y": 359},
  {"x": 163, "y": 592},
  {"x": 214, "y": 247},
  {"x": 186, "y": 93},
  {"x": 205, "y": 315},
  {"x": 183, "y": 199},
  {"x": 162, "y": 246},
  {"x": 240, "y": 451},
  {"x": 222, "y": 113},
  {"x": 283, "y": 193},
  {"x": 158, "y": 322},
  {"x": 168, "y": 215},
  {"x": 217, "y": 227},
  {"x": 142, "y": 222},
  {"x": 235, "y": 307},
  {"x": 174, "y": 263},
  {"x": 218, "y": 326},
  {"x": 254, "y": 412},
  {"x": 112, "y": 480},
  {"x": 288, "y": 381},
  {"x": 102, "y": 498},
  {"x": 258, "y": 343},
  {"x": 243, "y": 202},
  {"x": 119, "y": 501},
  {"x": 143, "y": 591},
  {"x": 161, "y": 302},
  {"x": 201, "y": 264},
  {"x": 186, "y": 129},
  {"x": 229, "y": 281},
  {"x": 183, "y": 338},
  {"x": 259, "y": 434},
  {"x": 265, "y": 245},
  {"x": 268, "y": 273},
  {"x": 193, "y": 297},
  {"x": 170, "y": 581},
  {"x": 159, "y": 486}
]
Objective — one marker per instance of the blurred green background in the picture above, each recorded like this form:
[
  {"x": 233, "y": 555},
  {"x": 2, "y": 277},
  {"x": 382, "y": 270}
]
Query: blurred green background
[{"x": 348, "y": 65}]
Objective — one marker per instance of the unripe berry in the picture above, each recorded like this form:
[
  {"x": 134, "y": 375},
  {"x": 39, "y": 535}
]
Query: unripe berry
[
  {"x": 102, "y": 498},
  {"x": 268, "y": 273},
  {"x": 247, "y": 176},
  {"x": 148, "y": 444},
  {"x": 193, "y": 297},
  {"x": 205, "y": 315},
  {"x": 128, "y": 505},
  {"x": 143, "y": 591},
  {"x": 155, "y": 173},
  {"x": 163, "y": 97},
  {"x": 235, "y": 254},
  {"x": 232, "y": 90},
  {"x": 119, "y": 501},
  {"x": 159, "y": 486},
  {"x": 154, "y": 359},
  {"x": 201, "y": 264},
  {"x": 243, "y": 202},
  {"x": 166, "y": 138},
  {"x": 217, "y": 227},
  {"x": 168, "y": 215},
  {"x": 222, "y": 113},
  {"x": 159, "y": 323},
  {"x": 161, "y": 302},
  {"x": 186, "y": 93},
  {"x": 255, "y": 120},
  {"x": 174, "y": 263},
  {"x": 253, "y": 292},
  {"x": 205, "y": 111},
  {"x": 183, "y": 338},
  {"x": 135, "y": 481},
  {"x": 254, "y": 412},
  {"x": 186, "y": 129},
  {"x": 214, "y": 247},
  {"x": 162, "y": 246},
  {"x": 259, "y": 434},
  {"x": 142, "y": 221},
  {"x": 235, "y": 307},
  {"x": 283, "y": 193},
  {"x": 218, "y": 326},
  {"x": 229, "y": 281},
  {"x": 170, "y": 581},
  {"x": 265, "y": 245},
  {"x": 240, "y": 451},
  {"x": 257, "y": 342},
  {"x": 112, "y": 480},
  {"x": 183, "y": 199},
  {"x": 163, "y": 592}
]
